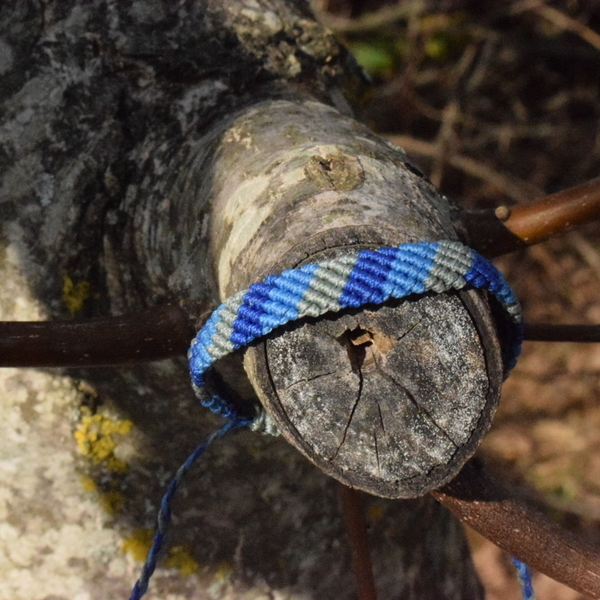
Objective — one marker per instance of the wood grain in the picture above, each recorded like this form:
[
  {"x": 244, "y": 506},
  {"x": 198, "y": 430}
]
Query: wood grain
[{"x": 377, "y": 400}]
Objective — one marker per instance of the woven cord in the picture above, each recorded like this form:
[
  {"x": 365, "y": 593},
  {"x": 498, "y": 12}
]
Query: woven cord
[{"x": 352, "y": 280}]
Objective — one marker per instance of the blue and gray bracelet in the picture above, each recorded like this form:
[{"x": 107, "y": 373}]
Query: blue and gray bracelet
[{"x": 352, "y": 280}]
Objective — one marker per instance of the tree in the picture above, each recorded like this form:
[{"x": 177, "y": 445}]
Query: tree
[{"x": 158, "y": 152}]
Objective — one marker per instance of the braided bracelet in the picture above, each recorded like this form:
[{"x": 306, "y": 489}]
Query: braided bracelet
[{"x": 351, "y": 280}]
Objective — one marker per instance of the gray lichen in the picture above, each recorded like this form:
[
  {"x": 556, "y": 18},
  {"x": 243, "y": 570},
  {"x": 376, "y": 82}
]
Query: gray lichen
[{"x": 115, "y": 118}]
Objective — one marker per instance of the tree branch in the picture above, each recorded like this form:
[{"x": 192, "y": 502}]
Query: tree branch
[
  {"x": 496, "y": 232},
  {"x": 478, "y": 501},
  {"x": 156, "y": 333},
  {"x": 544, "y": 332},
  {"x": 356, "y": 529}
]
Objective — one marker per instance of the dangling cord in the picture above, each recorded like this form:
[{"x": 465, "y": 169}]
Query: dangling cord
[
  {"x": 164, "y": 515},
  {"x": 524, "y": 575}
]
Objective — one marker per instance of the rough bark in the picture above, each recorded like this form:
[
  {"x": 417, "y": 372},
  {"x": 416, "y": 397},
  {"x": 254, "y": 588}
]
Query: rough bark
[{"x": 143, "y": 152}]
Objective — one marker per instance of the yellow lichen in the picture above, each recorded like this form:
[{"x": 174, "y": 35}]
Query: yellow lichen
[
  {"x": 94, "y": 437},
  {"x": 138, "y": 544},
  {"x": 180, "y": 558},
  {"x": 89, "y": 485},
  {"x": 74, "y": 294},
  {"x": 224, "y": 571},
  {"x": 112, "y": 502}
]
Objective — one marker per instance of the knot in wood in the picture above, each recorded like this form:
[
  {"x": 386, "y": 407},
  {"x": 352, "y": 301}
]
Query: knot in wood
[
  {"x": 366, "y": 349},
  {"x": 335, "y": 171}
]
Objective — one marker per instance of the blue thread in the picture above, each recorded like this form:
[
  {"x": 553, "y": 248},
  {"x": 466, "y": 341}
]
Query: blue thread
[
  {"x": 261, "y": 295},
  {"x": 403, "y": 278},
  {"x": 220, "y": 406},
  {"x": 164, "y": 515},
  {"x": 524, "y": 576}
]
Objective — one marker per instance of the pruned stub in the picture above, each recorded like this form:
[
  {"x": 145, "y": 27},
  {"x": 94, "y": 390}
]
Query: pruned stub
[
  {"x": 395, "y": 415},
  {"x": 392, "y": 399}
]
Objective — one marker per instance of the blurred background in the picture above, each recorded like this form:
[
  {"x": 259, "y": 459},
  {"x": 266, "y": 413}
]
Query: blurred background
[{"x": 499, "y": 102}]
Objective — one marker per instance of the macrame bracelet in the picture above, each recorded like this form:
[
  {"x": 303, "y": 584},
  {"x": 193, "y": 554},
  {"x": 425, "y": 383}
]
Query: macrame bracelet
[{"x": 352, "y": 280}]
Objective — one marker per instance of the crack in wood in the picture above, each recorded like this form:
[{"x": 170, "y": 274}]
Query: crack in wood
[
  {"x": 376, "y": 451},
  {"x": 359, "y": 394},
  {"x": 314, "y": 378},
  {"x": 419, "y": 407},
  {"x": 409, "y": 330}
]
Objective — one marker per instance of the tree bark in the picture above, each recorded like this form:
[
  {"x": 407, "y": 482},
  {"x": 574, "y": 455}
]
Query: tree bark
[{"x": 180, "y": 151}]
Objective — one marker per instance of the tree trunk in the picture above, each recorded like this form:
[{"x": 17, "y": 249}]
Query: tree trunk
[{"x": 154, "y": 151}]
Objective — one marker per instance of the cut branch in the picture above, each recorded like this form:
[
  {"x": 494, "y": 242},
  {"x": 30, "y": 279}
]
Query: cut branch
[
  {"x": 478, "y": 501},
  {"x": 496, "y": 232},
  {"x": 362, "y": 193},
  {"x": 544, "y": 332},
  {"x": 356, "y": 529},
  {"x": 154, "y": 334}
]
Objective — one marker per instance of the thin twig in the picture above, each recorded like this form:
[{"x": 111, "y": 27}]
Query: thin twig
[
  {"x": 502, "y": 134},
  {"x": 526, "y": 533},
  {"x": 520, "y": 190},
  {"x": 452, "y": 113},
  {"x": 565, "y": 22},
  {"x": 496, "y": 232},
  {"x": 156, "y": 333},
  {"x": 545, "y": 332},
  {"x": 587, "y": 252},
  {"x": 560, "y": 19},
  {"x": 556, "y": 213},
  {"x": 372, "y": 20},
  {"x": 359, "y": 542},
  {"x": 443, "y": 142}
]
